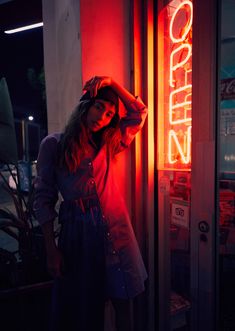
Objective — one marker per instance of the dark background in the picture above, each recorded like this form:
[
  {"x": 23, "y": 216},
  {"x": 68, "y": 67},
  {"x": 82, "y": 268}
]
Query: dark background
[
  {"x": 22, "y": 53},
  {"x": 22, "y": 65}
]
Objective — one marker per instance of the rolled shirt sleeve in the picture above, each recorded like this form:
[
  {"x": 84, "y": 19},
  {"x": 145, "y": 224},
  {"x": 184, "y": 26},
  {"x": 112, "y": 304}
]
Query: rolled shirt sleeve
[
  {"x": 46, "y": 192},
  {"x": 133, "y": 121}
]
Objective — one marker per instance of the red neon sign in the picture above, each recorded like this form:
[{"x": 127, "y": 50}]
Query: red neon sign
[{"x": 176, "y": 42}]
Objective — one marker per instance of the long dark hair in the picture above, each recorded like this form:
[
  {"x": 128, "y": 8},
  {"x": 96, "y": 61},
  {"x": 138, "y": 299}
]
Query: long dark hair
[{"x": 75, "y": 139}]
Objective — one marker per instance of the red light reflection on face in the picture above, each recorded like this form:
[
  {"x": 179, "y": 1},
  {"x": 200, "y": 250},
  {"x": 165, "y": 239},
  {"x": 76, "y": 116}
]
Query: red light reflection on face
[{"x": 100, "y": 115}]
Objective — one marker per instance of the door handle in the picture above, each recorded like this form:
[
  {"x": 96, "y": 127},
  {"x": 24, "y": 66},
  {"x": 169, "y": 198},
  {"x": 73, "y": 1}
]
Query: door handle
[{"x": 204, "y": 227}]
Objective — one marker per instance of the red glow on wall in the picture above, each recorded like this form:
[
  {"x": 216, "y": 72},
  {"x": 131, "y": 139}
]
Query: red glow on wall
[
  {"x": 175, "y": 85},
  {"x": 137, "y": 87},
  {"x": 150, "y": 72},
  {"x": 105, "y": 51}
]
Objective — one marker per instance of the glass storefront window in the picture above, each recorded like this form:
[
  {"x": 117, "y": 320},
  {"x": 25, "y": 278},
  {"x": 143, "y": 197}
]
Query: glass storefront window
[{"x": 227, "y": 167}]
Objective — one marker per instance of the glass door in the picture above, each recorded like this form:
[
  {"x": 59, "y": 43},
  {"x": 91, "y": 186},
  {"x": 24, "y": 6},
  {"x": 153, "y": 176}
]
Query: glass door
[
  {"x": 175, "y": 31},
  {"x": 186, "y": 105},
  {"x": 226, "y": 166}
]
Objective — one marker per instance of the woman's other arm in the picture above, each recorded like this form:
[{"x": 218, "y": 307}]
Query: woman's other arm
[
  {"x": 46, "y": 196},
  {"x": 54, "y": 257}
]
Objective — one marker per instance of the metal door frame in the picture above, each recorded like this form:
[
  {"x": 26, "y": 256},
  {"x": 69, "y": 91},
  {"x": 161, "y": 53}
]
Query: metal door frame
[{"x": 203, "y": 202}]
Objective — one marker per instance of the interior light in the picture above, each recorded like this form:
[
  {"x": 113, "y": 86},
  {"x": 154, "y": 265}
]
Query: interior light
[
  {"x": 30, "y": 118},
  {"x": 23, "y": 28}
]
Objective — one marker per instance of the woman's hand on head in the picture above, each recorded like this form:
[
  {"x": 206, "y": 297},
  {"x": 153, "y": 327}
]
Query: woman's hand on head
[{"x": 95, "y": 83}]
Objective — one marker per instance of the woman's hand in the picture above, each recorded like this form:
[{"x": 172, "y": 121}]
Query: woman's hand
[
  {"x": 55, "y": 263},
  {"x": 95, "y": 83}
]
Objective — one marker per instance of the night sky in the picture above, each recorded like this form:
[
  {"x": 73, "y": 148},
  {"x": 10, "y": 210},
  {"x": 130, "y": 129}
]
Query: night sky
[{"x": 19, "y": 52}]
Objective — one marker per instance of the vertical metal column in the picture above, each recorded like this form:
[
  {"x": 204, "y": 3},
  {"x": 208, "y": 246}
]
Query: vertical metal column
[
  {"x": 203, "y": 230},
  {"x": 143, "y": 153}
]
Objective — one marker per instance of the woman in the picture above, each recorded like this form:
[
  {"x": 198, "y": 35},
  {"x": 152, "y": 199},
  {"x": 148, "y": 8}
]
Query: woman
[{"x": 97, "y": 257}]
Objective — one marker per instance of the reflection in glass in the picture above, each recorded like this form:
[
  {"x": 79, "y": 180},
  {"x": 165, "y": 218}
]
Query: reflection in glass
[{"x": 227, "y": 168}]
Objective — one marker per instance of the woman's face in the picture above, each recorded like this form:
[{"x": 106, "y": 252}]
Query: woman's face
[{"x": 100, "y": 115}]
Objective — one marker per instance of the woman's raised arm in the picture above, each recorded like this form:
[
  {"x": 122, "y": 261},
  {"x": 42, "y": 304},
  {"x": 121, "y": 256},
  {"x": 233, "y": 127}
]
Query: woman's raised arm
[{"x": 96, "y": 82}]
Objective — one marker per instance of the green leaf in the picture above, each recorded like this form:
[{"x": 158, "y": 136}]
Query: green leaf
[
  {"x": 18, "y": 203},
  {"x": 7, "y": 214},
  {"x": 10, "y": 232}
]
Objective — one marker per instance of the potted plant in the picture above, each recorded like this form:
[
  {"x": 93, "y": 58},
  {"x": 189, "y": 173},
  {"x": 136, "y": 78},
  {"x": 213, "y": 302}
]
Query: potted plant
[{"x": 23, "y": 273}]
